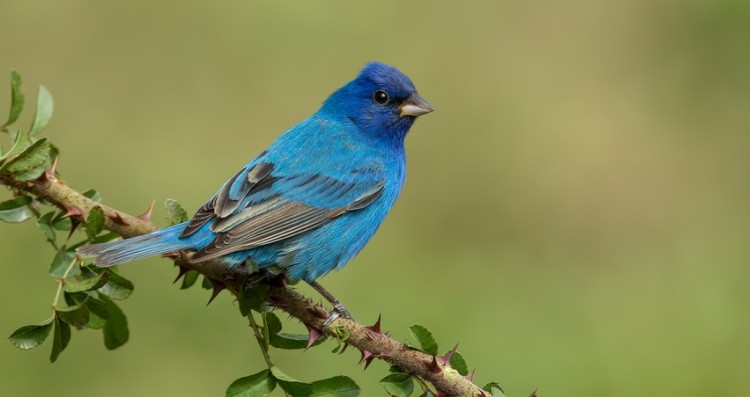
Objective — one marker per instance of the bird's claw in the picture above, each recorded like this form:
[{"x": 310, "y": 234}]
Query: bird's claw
[{"x": 338, "y": 311}]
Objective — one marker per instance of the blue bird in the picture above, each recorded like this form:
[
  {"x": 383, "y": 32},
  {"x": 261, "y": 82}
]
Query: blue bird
[{"x": 312, "y": 200}]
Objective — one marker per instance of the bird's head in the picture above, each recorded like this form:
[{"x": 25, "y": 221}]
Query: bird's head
[{"x": 381, "y": 102}]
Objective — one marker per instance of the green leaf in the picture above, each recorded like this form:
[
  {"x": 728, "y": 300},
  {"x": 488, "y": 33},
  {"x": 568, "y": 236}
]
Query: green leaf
[
  {"x": 77, "y": 315},
  {"x": 98, "y": 313},
  {"x": 116, "y": 328},
  {"x": 424, "y": 337},
  {"x": 281, "y": 340},
  {"x": 64, "y": 260},
  {"x": 117, "y": 287},
  {"x": 16, "y": 98},
  {"x": 60, "y": 223},
  {"x": 459, "y": 364},
  {"x": 257, "y": 385},
  {"x": 253, "y": 297},
  {"x": 94, "y": 222},
  {"x": 87, "y": 280},
  {"x": 427, "y": 394},
  {"x": 338, "y": 386},
  {"x": 16, "y": 210},
  {"x": 175, "y": 213},
  {"x": 20, "y": 143},
  {"x": 74, "y": 298},
  {"x": 93, "y": 195},
  {"x": 60, "y": 338},
  {"x": 44, "y": 107},
  {"x": 495, "y": 389},
  {"x": 44, "y": 223},
  {"x": 30, "y": 336},
  {"x": 206, "y": 283},
  {"x": 398, "y": 385},
  {"x": 32, "y": 162},
  {"x": 291, "y": 385},
  {"x": 189, "y": 279}
]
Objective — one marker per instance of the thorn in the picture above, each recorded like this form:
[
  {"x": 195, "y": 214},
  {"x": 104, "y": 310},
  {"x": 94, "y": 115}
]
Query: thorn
[
  {"x": 171, "y": 255},
  {"x": 470, "y": 377},
  {"x": 218, "y": 287},
  {"x": 182, "y": 272},
  {"x": 117, "y": 218},
  {"x": 446, "y": 359},
  {"x": 49, "y": 174},
  {"x": 375, "y": 327},
  {"x": 367, "y": 358},
  {"x": 74, "y": 222},
  {"x": 441, "y": 393},
  {"x": 71, "y": 211},
  {"x": 146, "y": 216},
  {"x": 533, "y": 394},
  {"x": 434, "y": 366},
  {"x": 313, "y": 334}
]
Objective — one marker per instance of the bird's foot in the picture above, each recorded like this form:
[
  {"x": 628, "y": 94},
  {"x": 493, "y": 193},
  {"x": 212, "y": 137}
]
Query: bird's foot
[{"x": 338, "y": 311}]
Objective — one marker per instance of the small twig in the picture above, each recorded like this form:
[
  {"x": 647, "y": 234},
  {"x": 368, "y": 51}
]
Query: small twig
[{"x": 261, "y": 340}]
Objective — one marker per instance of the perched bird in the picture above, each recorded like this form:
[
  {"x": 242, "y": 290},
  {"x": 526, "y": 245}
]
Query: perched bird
[{"x": 312, "y": 200}]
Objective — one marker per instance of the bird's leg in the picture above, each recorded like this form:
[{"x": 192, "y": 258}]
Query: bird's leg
[{"x": 338, "y": 309}]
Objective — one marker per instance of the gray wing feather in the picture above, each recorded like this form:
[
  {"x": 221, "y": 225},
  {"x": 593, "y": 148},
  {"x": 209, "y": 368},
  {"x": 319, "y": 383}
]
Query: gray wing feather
[{"x": 246, "y": 230}]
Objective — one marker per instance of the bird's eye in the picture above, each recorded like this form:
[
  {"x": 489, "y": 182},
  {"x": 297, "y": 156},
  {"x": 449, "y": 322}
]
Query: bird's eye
[{"x": 380, "y": 97}]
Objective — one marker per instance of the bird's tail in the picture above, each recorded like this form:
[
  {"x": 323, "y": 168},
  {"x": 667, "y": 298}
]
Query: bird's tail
[{"x": 158, "y": 242}]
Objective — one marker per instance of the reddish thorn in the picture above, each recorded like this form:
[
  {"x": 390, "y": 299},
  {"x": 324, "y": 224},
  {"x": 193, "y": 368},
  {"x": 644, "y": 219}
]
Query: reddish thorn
[
  {"x": 446, "y": 359},
  {"x": 441, "y": 393},
  {"x": 434, "y": 366},
  {"x": 71, "y": 211},
  {"x": 375, "y": 327},
  {"x": 50, "y": 173},
  {"x": 470, "y": 377},
  {"x": 117, "y": 218},
  {"x": 366, "y": 355},
  {"x": 313, "y": 334},
  {"x": 146, "y": 216},
  {"x": 182, "y": 272},
  {"x": 533, "y": 394},
  {"x": 74, "y": 222},
  {"x": 369, "y": 361},
  {"x": 218, "y": 287},
  {"x": 171, "y": 255}
]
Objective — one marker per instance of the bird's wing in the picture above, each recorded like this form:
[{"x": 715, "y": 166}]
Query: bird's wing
[{"x": 258, "y": 206}]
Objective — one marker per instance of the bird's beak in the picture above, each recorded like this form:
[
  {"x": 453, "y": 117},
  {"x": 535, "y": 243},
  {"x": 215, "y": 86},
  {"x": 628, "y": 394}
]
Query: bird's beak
[{"x": 414, "y": 106}]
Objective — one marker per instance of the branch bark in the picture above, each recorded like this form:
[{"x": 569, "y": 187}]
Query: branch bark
[{"x": 369, "y": 340}]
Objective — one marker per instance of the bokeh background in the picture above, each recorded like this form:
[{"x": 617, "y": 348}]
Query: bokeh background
[{"x": 576, "y": 213}]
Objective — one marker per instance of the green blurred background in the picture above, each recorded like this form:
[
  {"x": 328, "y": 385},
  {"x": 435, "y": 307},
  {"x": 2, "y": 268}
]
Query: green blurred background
[{"x": 576, "y": 214}]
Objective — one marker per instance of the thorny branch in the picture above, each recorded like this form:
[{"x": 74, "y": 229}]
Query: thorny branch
[{"x": 368, "y": 339}]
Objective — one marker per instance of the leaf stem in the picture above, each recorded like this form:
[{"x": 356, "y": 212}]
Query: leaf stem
[
  {"x": 61, "y": 282},
  {"x": 261, "y": 341}
]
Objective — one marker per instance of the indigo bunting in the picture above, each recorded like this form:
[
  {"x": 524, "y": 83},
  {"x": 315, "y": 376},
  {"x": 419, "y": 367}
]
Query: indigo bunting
[{"x": 312, "y": 200}]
